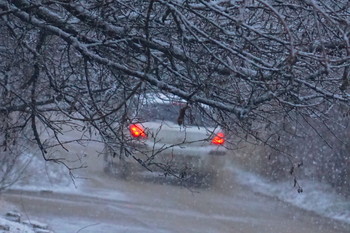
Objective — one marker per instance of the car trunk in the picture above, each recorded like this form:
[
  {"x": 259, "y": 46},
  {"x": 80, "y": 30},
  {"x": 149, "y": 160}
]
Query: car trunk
[{"x": 168, "y": 133}]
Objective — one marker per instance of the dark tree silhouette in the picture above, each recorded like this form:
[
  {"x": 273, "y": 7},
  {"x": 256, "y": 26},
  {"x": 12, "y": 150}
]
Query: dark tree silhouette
[{"x": 254, "y": 62}]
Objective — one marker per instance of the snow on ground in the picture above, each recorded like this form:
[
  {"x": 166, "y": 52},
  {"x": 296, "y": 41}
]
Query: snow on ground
[
  {"x": 12, "y": 222},
  {"x": 49, "y": 176},
  {"x": 317, "y": 197},
  {"x": 14, "y": 227},
  {"x": 40, "y": 174}
]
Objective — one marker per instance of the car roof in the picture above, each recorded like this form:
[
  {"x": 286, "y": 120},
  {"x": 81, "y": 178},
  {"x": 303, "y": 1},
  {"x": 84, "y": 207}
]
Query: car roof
[{"x": 161, "y": 98}]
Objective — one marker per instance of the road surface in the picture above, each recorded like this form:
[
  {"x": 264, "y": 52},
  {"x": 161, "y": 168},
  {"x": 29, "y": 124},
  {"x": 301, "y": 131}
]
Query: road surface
[
  {"x": 102, "y": 203},
  {"x": 106, "y": 204}
]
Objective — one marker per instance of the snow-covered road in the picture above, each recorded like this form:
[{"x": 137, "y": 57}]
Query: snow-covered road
[
  {"x": 106, "y": 204},
  {"x": 102, "y": 203}
]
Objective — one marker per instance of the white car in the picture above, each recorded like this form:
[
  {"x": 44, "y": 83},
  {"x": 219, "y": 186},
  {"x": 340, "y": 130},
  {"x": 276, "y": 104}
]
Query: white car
[{"x": 168, "y": 135}]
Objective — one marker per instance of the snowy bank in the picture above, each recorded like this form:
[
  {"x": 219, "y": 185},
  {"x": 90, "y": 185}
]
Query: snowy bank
[
  {"x": 13, "y": 223},
  {"x": 316, "y": 197}
]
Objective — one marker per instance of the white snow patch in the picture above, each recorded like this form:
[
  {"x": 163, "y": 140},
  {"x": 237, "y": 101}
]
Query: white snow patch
[
  {"x": 36, "y": 224},
  {"x": 42, "y": 175},
  {"x": 317, "y": 197},
  {"x": 14, "y": 227}
]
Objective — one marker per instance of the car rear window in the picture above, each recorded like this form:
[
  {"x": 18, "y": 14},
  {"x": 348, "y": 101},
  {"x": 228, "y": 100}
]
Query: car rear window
[{"x": 170, "y": 111}]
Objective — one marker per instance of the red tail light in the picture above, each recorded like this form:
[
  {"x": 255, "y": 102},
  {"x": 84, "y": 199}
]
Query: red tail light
[
  {"x": 137, "y": 131},
  {"x": 218, "y": 139}
]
